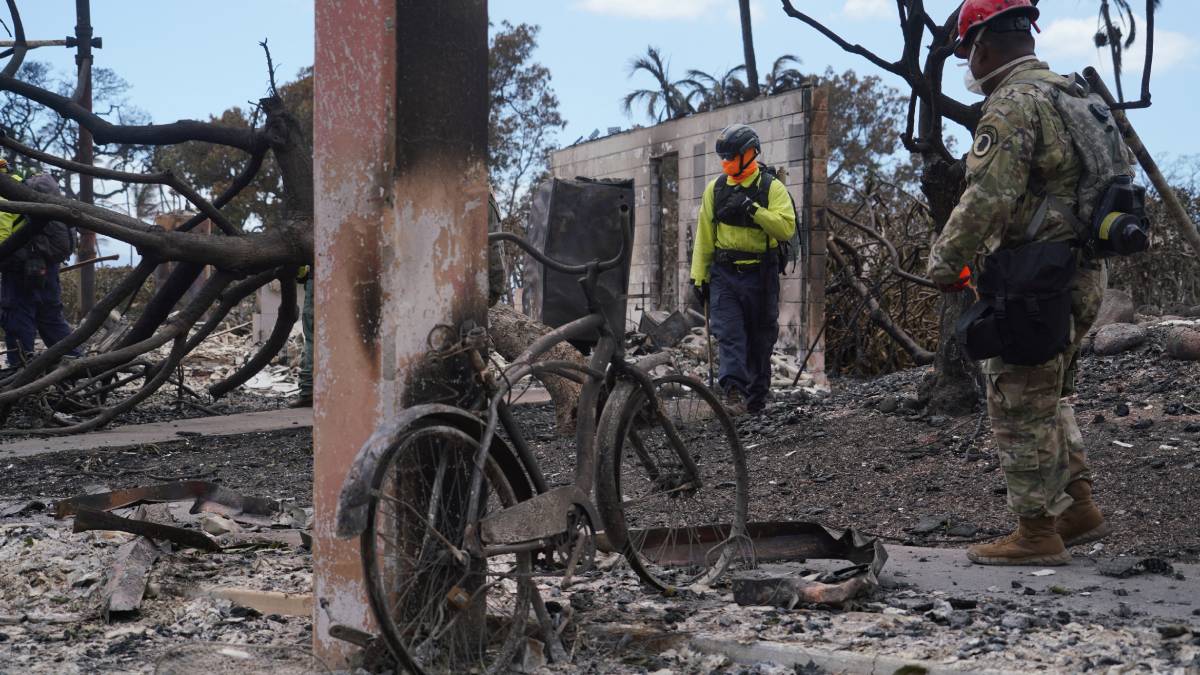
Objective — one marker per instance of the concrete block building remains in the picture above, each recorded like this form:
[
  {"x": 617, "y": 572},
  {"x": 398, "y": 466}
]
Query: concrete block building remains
[{"x": 671, "y": 163}]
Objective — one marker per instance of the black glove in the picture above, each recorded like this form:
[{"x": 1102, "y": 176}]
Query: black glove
[
  {"x": 701, "y": 293},
  {"x": 738, "y": 207},
  {"x": 35, "y": 271}
]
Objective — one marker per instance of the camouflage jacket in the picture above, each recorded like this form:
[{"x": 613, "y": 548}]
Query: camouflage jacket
[{"x": 1021, "y": 150}]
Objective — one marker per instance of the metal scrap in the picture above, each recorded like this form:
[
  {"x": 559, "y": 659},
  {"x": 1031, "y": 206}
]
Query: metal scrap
[
  {"x": 209, "y": 497},
  {"x": 779, "y": 541},
  {"x": 21, "y": 509},
  {"x": 665, "y": 330},
  {"x": 91, "y": 519},
  {"x": 126, "y": 583}
]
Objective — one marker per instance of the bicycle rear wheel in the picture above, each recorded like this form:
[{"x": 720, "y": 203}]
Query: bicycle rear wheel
[
  {"x": 675, "y": 528},
  {"x": 441, "y": 610}
]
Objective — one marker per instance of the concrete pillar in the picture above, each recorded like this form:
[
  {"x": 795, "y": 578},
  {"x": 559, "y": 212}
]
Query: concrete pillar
[{"x": 400, "y": 135}]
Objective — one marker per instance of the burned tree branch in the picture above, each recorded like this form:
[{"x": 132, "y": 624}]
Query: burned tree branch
[
  {"x": 893, "y": 253},
  {"x": 881, "y": 318},
  {"x": 511, "y": 333},
  {"x": 274, "y": 343},
  {"x": 894, "y": 68},
  {"x": 178, "y": 324},
  {"x": 240, "y": 183},
  {"x": 252, "y": 252},
  {"x": 151, "y": 134},
  {"x": 164, "y": 178},
  {"x": 178, "y": 283},
  {"x": 909, "y": 69},
  {"x": 20, "y": 46},
  {"x": 294, "y": 155},
  {"x": 106, "y": 415},
  {"x": 52, "y": 384},
  {"x": 229, "y": 299}
]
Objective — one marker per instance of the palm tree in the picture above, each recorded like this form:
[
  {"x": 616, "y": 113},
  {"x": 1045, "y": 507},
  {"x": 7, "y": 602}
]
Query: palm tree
[
  {"x": 715, "y": 92},
  {"x": 667, "y": 101},
  {"x": 782, "y": 78},
  {"x": 748, "y": 49},
  {"x": 1110, "y": 34}
]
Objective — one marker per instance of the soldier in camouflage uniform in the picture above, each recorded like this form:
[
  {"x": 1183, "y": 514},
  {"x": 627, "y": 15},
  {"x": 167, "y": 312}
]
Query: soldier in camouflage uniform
[{"x": 1022, "y": 149}]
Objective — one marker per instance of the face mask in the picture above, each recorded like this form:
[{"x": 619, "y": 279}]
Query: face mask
[
  {"x": 739, "y": 168},
  {"x": 975, "y": 85}
]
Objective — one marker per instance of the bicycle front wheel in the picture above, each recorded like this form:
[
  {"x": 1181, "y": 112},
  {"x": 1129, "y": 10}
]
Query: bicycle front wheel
[
  {"x": 673, "y": 483},
  {"x": 440, "y": 609}
]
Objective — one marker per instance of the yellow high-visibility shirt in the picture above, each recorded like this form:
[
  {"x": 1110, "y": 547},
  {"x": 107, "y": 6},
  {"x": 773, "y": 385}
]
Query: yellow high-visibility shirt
[
  {"x": 777, "y": 220},
  {"x": 9, "y": 222}
]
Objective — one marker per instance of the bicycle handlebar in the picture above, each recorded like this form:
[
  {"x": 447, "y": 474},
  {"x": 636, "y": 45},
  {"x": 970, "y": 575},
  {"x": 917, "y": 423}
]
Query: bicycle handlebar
[{"x": 565, "y": 268}]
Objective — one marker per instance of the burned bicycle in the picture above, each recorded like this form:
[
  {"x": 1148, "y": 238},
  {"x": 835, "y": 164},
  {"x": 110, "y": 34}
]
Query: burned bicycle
[{"x": 458, "y": 523}]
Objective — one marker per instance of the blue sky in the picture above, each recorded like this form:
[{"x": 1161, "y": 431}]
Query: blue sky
[
  {"x": 192, "y": 59},
  {"x": 587, "y": 44}
]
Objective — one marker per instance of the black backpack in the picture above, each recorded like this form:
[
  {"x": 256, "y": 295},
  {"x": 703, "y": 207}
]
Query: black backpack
[
  {"x": 56, "y": 242},
  {"x": 787, "y": 251}
]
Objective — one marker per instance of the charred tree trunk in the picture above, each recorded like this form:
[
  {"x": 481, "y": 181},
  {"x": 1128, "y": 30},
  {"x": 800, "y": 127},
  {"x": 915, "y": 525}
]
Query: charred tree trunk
[
  {"x": 951, "y": 388},
  {"x": 512, "y": 332}
]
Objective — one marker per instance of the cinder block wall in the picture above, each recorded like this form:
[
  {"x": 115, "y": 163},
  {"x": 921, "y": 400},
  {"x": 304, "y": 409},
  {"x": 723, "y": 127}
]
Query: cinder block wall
[{"x": 793, "y": 128}]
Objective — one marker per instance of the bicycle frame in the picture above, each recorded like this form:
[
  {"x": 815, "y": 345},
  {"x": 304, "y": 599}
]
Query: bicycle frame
[
  {"x": 607, "y": 362},
  {"x": 533, "y": 518}
]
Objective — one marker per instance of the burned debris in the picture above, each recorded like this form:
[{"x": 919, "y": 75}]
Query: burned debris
[{"x": 602, "y": 473}]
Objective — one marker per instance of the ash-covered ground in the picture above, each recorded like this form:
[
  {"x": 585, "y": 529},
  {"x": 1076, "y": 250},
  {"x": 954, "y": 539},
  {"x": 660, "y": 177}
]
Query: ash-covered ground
[{"x": 861, "y": 457}]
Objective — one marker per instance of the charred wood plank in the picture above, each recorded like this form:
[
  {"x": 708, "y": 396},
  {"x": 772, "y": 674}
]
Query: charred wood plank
[
  {"x": 126, "y": 585},
  {"x": 90, "y": 519},
  {"x": 170, "y": 492}
]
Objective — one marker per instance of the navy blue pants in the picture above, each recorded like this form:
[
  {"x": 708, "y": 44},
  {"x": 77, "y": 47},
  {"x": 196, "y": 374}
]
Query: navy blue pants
[
  {"x": 744, "y": 314},
  {"x": 30, "y": 307}
]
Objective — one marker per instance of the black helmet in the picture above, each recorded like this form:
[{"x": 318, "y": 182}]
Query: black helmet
[{"x": 735, "y": 140}]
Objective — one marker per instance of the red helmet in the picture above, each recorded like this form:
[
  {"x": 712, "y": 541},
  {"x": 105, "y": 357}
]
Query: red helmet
[{"x": 976, "y": 13}]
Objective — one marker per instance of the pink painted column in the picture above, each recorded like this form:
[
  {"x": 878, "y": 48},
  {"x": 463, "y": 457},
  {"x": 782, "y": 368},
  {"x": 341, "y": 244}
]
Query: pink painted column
[{"x": 400, "y": 133}]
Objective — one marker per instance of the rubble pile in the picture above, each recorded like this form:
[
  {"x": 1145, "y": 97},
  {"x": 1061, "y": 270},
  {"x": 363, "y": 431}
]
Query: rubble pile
[
  {"x": 55, "y": 609},
  {"x": 221, "y": 354},
  {"x": 684, "y": 337}
]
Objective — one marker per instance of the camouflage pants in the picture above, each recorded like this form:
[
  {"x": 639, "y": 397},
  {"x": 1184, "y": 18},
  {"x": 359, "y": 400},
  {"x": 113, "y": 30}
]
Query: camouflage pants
[
  {"x": 306, "y": 324},
  {"x": 1041, "y": 448}
]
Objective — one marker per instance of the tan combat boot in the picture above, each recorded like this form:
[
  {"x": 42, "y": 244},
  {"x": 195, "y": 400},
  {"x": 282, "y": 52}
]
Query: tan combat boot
[
  {"x": 1082, "y": 522},
  {"x": 1034, "y": 543}
]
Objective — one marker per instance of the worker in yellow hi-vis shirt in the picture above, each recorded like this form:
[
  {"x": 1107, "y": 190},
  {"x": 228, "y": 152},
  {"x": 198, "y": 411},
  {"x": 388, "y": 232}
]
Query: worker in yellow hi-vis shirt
[{"x": 744, "y": 215}]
